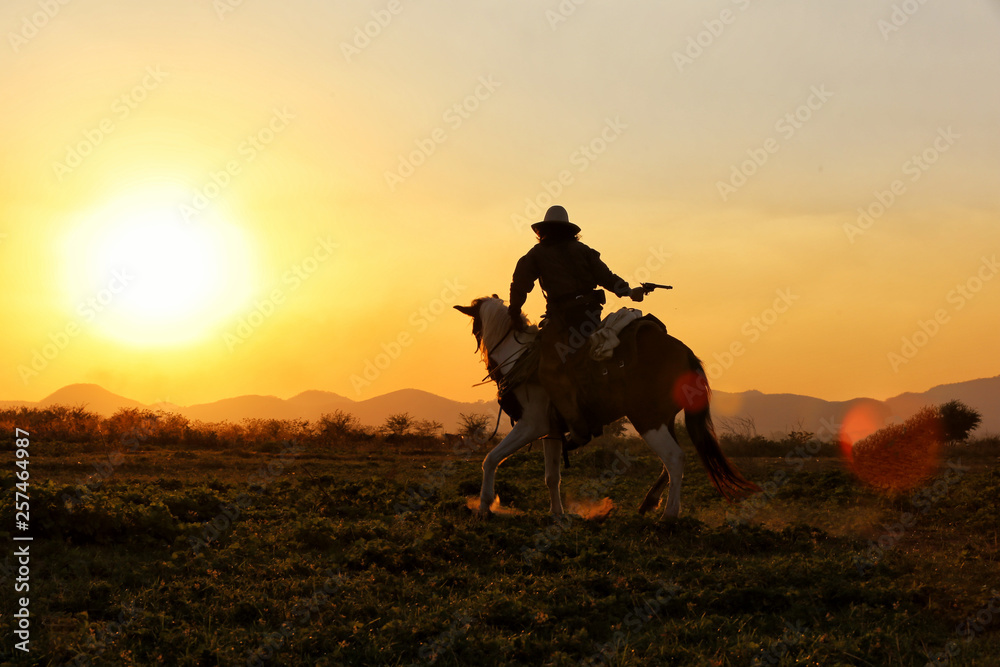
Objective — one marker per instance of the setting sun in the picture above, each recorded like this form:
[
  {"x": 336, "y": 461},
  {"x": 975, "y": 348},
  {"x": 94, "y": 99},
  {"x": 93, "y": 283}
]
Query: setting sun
[{"x": 148, "y": 278}]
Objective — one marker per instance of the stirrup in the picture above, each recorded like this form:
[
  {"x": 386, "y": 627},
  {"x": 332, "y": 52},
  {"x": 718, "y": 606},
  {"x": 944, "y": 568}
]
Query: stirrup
[{"x": 569, "y": 444}]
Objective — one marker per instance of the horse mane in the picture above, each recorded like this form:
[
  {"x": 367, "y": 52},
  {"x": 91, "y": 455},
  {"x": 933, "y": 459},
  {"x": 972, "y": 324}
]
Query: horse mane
[{"x": 496, "y": 322}]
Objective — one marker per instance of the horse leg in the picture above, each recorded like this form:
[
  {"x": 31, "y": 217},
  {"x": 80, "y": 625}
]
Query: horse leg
[
  {"x": 663, "y": 442},
  {"x": 533, "y": 425},
  {"x": 652, "y": 498},
  {"x": 553, "y": 455}
]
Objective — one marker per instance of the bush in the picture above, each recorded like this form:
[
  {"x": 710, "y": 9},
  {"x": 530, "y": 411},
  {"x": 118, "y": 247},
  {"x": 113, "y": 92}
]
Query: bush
[
  {"x": 900, "y": 456},
  {"x": 958, "y": 420},
  {"x": 62, "y": 429},
  {"x": 57, "y": 422},
  {"x": 337, "y": 428}
]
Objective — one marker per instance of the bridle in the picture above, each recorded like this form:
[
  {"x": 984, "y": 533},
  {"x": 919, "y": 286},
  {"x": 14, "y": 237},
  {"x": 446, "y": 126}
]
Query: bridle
[
  {"x": 498, "y": 379},
  {"x": 494, "y": 373},
  {"x": 493, "y": 369}
]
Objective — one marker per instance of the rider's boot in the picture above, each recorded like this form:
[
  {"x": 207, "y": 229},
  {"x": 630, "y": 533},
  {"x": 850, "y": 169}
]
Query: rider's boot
[{"x": 565, "y": 397}]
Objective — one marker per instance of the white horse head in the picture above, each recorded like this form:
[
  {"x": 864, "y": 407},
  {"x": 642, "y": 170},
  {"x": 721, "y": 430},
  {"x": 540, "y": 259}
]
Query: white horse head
[{"x": 500, "y": 345}]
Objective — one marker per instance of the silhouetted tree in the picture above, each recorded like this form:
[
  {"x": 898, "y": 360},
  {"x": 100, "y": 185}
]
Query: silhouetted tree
[
  {"x": 398, "y": 424},
  {"x": 474, "y": 425},
  {"x": 426, "y": 427},
  {"x": 740, "y": 427},
  {"x": 958, "y": 420},
  {"x": 338, "y": 427}
]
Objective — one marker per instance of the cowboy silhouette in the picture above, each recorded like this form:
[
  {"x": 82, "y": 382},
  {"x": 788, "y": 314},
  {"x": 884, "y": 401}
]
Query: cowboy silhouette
[{"x": 569, "y": 273}]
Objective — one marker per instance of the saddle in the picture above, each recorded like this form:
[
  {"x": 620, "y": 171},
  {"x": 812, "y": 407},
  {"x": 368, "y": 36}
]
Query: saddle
[{"x": 601, "y": 376}]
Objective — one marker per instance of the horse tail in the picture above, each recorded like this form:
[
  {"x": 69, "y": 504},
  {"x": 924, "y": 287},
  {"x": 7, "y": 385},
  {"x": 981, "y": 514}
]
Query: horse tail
[{"x": 698, "y": 420}]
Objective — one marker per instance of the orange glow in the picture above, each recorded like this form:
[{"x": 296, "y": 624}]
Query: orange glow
[
  {"x": 859, "y": 423},
  {"x": 591, "y": 510},
  {"x": 691, "y": 392},
  {"x": 899, "y": 457},
  {"x": 472, "y": 502}
]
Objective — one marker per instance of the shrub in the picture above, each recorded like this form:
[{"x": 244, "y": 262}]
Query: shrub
[
  {"x": 900, "y": 456},
  {"x": 337, "y": 428},
  {"x": 958, "y": 420}
]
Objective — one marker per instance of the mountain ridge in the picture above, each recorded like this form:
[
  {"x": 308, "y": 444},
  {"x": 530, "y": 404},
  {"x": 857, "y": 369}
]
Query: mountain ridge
[{"x": 766, "y": 413}]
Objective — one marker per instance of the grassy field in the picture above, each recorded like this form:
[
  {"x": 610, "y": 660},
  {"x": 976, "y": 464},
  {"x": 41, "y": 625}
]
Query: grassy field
[{"x": 302, "y": 555}]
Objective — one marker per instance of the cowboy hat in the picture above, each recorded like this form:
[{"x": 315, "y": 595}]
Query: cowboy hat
[{"x": 556, "y": 216}]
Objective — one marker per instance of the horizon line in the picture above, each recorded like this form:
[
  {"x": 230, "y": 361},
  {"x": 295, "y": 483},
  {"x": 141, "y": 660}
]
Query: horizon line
[{"x": 395, "y": 391}]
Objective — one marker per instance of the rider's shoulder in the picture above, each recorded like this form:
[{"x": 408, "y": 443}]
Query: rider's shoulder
[{"x": 583, "y": 247}]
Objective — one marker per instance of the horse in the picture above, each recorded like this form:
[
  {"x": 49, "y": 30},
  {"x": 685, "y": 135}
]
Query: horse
[{"x": 666, "y": 378}]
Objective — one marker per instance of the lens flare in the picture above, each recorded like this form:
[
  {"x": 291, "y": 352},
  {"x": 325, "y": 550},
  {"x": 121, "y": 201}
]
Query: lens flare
[
  {"x": 860, "y": 422},
  {"x": 691, "y": 392},
  {"x": 899, "y": 457}
]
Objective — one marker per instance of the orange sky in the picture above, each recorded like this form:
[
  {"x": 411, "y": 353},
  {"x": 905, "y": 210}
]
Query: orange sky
[{"x": 202, "y": 199}]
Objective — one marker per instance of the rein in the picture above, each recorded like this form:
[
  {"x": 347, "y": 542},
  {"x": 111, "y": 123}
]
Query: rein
[
  {"x": 497, "y": 427},
  {"x": 489, "y": 377},
  {"x": 496, "y": 368}
]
